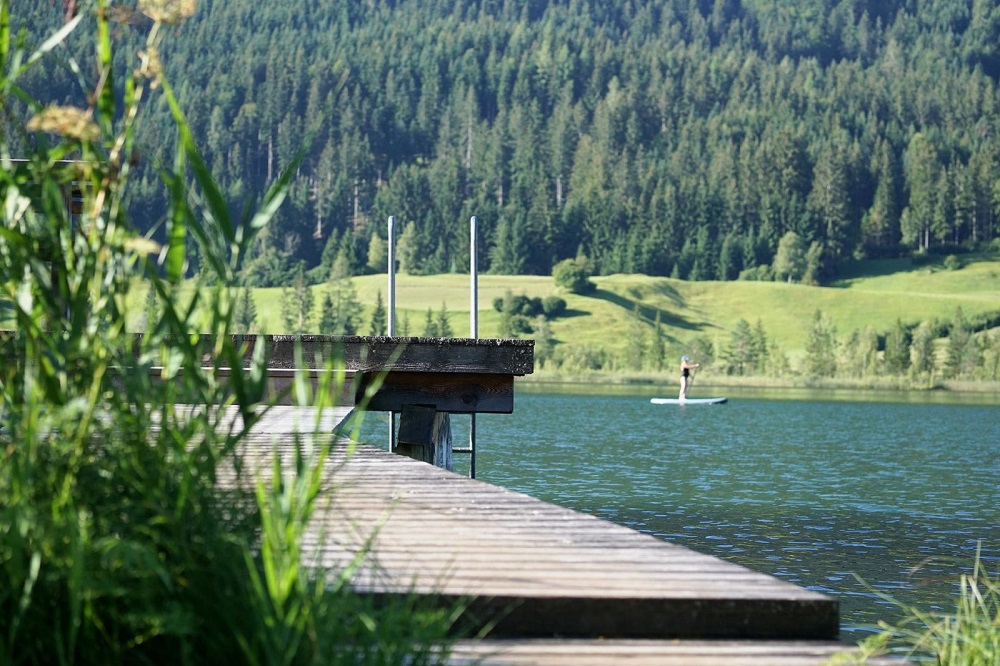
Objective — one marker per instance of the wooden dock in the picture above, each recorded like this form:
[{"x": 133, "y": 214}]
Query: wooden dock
[{"x": 563, "y": 587}]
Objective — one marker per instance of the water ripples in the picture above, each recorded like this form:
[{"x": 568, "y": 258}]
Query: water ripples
[
  {"x": 816, "y": 493},
  {"x": 849, "y": 499}
]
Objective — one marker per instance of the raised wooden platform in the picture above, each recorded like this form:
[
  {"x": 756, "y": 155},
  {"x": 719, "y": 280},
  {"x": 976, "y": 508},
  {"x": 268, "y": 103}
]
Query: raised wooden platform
[
  {"x": 545, "y": 570},
  {"x": 563, "y": 587}
]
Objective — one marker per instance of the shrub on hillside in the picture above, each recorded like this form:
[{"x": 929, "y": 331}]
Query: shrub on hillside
[
  {"x": 574, "y": 276},
  {"x": 553, "y": 306}
]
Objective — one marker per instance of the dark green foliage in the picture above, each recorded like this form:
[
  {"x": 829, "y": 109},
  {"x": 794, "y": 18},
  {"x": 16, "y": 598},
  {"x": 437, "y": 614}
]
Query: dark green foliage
[
  {"x": 573, "y": 275},
  {"x": 245, "y": 317},
  {"x": 553, "y": 306},
  {"x": 379, "y": 322},
  {"x": 297, "y": 304},
  {"x": 663, "y": 137},
  {"x": 897, "y": 350},
  {"x": 520, "y": 304},
  {"x": 741, "y": 356},
  {"x": 430, "y": 325},
  {"x": 514, "y": 321},
  {"x": 964, "y": 355},
  {"x": 790, "y": 260},
  {"x": 821, "y": 347},
  {"x": 443, "y": 321}
]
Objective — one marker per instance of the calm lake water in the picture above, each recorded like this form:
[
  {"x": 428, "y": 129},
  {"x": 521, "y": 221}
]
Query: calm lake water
[{"x": 819, "y": 493}]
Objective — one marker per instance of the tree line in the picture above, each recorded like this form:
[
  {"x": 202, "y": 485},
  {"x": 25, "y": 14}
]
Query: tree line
[
  {"x": 683, "y": 138},
  {"x": 926, "y": 350}
]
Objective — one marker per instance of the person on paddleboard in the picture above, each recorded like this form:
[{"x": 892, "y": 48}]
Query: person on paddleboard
[{"x": 686, "y": 367}]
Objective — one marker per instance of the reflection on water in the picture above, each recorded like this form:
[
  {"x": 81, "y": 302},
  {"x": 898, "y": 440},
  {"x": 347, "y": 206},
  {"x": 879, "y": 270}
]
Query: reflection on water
[{"x": 816, "y": 493}]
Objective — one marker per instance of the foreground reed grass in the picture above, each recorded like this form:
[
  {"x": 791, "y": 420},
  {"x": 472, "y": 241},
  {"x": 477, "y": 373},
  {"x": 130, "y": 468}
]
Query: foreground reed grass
[
  {"x": 134, "y": 530},
  {"x": 969, "y": 636}
]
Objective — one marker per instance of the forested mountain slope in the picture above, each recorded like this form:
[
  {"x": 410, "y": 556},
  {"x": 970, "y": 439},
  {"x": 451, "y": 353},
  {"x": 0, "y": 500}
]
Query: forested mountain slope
[{"x": 679, "y": 138}]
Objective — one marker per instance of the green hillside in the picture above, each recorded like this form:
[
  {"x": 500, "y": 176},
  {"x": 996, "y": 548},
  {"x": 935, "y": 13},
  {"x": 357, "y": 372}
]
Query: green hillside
[{"x": 689, "y": 310}]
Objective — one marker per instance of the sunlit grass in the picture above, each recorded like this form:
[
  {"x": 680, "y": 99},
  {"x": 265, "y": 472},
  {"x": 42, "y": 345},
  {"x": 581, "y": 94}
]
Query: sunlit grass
[
  {"x": 688, "y": 310},
  {"x": 967, "y": 636}
]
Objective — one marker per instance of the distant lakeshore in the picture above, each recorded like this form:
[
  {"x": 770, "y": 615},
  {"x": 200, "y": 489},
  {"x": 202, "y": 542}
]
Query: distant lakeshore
[{"x": 892, "y": 389}]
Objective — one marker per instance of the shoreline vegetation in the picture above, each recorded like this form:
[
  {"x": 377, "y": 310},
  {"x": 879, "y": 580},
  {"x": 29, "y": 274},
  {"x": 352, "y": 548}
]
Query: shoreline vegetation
[
  {"x": 542, "y": 380},
  {"x": 139, "y": 522}
]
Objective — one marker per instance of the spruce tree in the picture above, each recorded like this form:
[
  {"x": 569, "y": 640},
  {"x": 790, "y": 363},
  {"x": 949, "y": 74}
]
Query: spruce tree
[
  {"x": 896, "y": 359},
  {"x": 821, "y": 347},
  {"x": 245, "y": 318},
  {"x": 297, "y": 304},
  {"x": 922, "y": 350},
  {"x": 963, "y": 350},
  {"x": 379, "y": 316},
  {"x": 443, "y": 323},
  {"x": 430, "y": 325}
]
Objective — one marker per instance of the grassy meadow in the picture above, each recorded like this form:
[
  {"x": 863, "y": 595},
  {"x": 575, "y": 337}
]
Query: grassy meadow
[{"x": 875, "y": 293}]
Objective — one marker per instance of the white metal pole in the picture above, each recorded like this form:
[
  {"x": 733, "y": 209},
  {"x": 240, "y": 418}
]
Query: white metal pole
[
  {"x": 391, "y": 299},
  {"x": 474, "y": 273},
  {"x": 473, "y": 328},
  {"x": 392, "y": 276}
]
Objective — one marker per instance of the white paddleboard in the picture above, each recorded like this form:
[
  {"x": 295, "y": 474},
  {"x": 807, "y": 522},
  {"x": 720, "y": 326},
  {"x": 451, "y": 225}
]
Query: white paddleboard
[{"x": 689, "y": 401}]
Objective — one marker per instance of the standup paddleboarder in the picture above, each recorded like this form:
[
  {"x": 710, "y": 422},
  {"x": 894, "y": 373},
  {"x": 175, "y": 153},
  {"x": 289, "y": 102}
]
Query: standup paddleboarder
[{"x": 686, "y": 367}]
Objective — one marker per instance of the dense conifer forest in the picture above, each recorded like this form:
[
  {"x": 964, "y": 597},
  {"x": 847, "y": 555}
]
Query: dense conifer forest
[{"x": 700, "y": 139}]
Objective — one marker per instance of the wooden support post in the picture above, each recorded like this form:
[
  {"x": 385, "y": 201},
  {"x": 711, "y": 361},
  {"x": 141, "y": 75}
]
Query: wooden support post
[{"x": 425, "y": 434}]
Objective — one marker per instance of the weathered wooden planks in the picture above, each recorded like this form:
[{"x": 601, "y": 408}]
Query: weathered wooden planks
[
  {"x": 541, "y": 569},
  {"x": 651, "y": 653},
  {"x": 570, "y": 589}
]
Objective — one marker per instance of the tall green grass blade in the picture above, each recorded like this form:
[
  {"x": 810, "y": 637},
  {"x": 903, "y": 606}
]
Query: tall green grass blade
[
  {"x": 217, "y": 205},
  {"x": 175, "y": 260},
  {"x": 49, "y": 44},
  {"x": 105, "y": 59},
  {"x": 4, "y": 33}
]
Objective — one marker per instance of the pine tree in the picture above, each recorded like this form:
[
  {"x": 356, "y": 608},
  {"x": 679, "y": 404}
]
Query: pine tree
[
  {"x": 342, "y": 315},
  {"x": 297, "y": 304},
  {"x": 378, "y": 258},
  {"x": 408, "y": 250},
  {"x": 790, "y": 261},
  {"x": 963, "y": 351},
  {"x": 430, "y": 325},
  {"x": 544, "y": 340},
  {"x": 922, "y": 350},
  {"x": 821, "y": 347},
  {"x": 245, "y": 318},
  {"x": 443, "y": 323},
  {"x": 860, "y": 353},
  {"x": 379, "y": 315},
  {"x": 328, "y": 316},
  {"x": 740, "y": 355},
  {"x": 923, "y": 171},
  {"x": 880, "y": 226},
  {"x": 897, "y": 350},
  {"x": 759, "y": 349}
]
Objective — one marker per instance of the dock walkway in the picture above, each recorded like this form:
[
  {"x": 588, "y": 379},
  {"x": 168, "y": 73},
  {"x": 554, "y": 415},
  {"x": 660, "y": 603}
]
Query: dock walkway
[{"x": 564, "y": 587}]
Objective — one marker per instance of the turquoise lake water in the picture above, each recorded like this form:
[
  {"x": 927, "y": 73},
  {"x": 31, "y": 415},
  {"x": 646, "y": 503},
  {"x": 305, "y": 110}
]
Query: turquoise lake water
[{"x": 824, "y": 494}]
